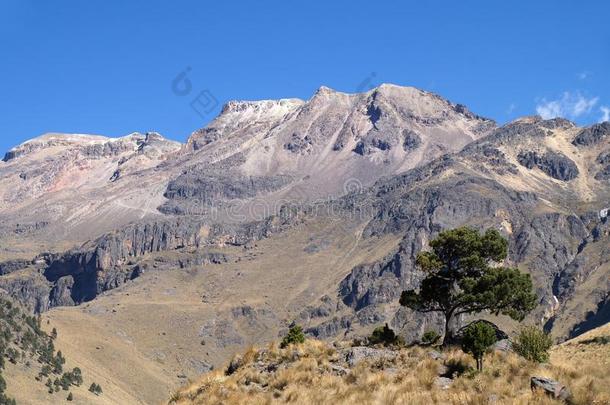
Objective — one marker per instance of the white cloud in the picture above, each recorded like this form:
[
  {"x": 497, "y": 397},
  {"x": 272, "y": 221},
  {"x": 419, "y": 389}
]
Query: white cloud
[
  {"x": 568, "y": 106},
  {"x": 583, "y": 75},
  {"x": 605, "y": 113}
]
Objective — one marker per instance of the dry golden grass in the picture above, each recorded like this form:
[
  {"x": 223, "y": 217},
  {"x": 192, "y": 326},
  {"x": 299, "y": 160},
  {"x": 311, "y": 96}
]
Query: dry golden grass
[{"x": 304, "y": 375}]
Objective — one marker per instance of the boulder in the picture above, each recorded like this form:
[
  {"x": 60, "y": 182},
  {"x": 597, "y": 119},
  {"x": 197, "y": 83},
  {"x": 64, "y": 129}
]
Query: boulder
[
  {"x": 551, "y": 387},
  {"x": 503, "y": 345},
  {"x": 435, "y": 355},
  {"x": 443, "y": 383},
  {"x": 355, "y": 355}
]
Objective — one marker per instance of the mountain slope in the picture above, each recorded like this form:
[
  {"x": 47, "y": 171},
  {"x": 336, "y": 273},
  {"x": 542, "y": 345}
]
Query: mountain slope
[
  {"x": 60, "y": 190},
  {"x": 318, "y": 372},
  {"x": 281, "y": 211}
]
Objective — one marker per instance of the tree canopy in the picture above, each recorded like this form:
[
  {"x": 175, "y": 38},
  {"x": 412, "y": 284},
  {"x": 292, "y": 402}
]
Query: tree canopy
[
  {"x": 478, "y": 337},
  {"x": 462, "y": 277}
]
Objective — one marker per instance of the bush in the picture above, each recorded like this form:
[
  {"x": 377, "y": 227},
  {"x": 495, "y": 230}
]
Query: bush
[
  {"x": 95, "y": 388},
  {"x": 430, "y": 337},
  {"x": 295, "y": 335},
  {"x": 533, "y": 344},
  {"x": 478, "y": 337},
  {"x": 383, "y": 335}
]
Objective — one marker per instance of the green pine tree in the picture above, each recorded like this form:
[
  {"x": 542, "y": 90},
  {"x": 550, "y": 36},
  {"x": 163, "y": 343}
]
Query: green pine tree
[{"x": 461, "y": 279}]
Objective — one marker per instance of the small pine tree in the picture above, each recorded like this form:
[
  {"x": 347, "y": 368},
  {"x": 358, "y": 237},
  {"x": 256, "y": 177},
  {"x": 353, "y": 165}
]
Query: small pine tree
[
  {"x": 77, "y": 376},
  {"x": 478, "y": 337},
  {"x": 70, "y": 397},
  {"x": 533, "y": 344},
  {"x": 95, "y": 388},
  {"x": 295, "y": 335}
]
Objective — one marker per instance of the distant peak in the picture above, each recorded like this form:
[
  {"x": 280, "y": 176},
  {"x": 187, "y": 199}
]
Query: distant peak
[
  {"x": 325, "y": 90},
  {"x": 260, "y": 105},
  {"x": 54, "y": 139}
]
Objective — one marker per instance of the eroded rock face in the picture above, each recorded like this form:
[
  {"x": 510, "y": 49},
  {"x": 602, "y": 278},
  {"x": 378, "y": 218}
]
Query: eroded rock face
[
  {"x": 210, "y": 188},
  {"x": 555, "y": 164},
  {"x": 593, "y": 134},
  {"x": 467, "y": 189}
]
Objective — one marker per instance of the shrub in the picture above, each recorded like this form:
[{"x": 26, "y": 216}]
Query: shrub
[
  {"x": 533, "y": 344},
  {"x": 478, "y": 337},
  {"x": 430, "y": 337},
  {"x": 95, "y": 388},
  {"x": 295, "y": 335},
  {"x": 383, "y": 335}
]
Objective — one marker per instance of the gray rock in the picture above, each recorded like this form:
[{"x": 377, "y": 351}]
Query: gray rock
[
  {"x": 355, "y": 355},
  {"x": 339, "y": 370},
  {"x": 13, "y": 265},
  {"x": 330, "y": 328},
  {"x": 551, "y": 387},
  {"x": 504, "y": 345},
  {"x": 436, "y": 355},
  {"x": 555, "y": 164},
  {"x": 592, "y": 135},
  {"x": 443, "y": 383}
]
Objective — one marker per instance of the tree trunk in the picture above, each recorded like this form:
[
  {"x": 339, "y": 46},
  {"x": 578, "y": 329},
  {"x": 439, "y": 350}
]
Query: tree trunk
[{"x": 448, "y": 338}]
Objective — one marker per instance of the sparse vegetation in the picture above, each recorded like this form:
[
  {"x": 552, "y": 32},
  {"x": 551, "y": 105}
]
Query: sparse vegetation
[
  {"x": 461, "y": 280},
  {"x": 597, "y": 340},
  {"x": 314, "y": 373},
  {"x": 295, "y": 335},
  {"x": 22, "y": 340},
  {"x": 533, "y": 344},
  {"x": 477, "y": 339},
  {"x": 430, "y": 337},
  {"x": 384, "y": 335}
]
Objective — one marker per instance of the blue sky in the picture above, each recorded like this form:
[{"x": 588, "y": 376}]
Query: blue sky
[{"x": 108, "y": 67}]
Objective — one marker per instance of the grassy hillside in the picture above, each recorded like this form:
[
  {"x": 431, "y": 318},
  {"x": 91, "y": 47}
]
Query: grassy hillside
[
  {"x": 33, "y": 368},
  {"x": 316, "y": 372},
  {"x": 142, "y": 340}
]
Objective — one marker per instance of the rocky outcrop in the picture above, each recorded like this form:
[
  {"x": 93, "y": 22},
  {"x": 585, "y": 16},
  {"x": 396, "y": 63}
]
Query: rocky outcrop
[
  {"x": 13, "y": 265},
  {"x": 213, "y": 188},
  {"x": 463, "y": 189},
  {"x": 555, "y": 164},
  {"x": 81, "y": 274},
  {"x": 593, "y": 134},
  {"x": 30, "y": 288},
  {"x": 330, "y": 328}
]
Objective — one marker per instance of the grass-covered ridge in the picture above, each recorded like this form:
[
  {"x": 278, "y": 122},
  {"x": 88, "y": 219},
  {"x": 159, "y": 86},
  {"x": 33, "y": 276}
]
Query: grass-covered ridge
[{"x": 317, "y": 372}]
